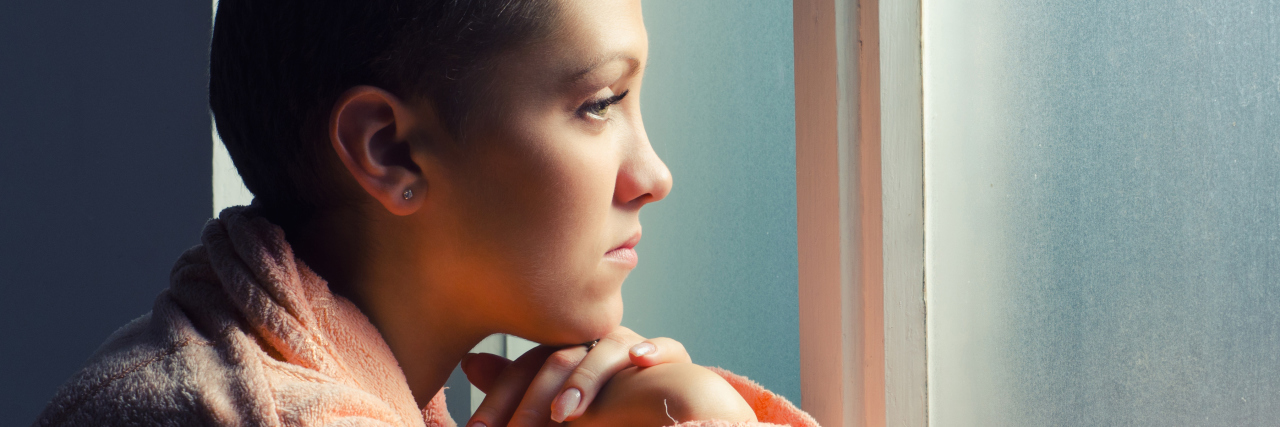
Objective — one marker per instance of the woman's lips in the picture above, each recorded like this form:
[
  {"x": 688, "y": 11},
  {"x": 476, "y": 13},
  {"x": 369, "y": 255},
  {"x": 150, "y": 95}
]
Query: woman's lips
[
  {"x": 625, "y": 256},
  {"x": 625, "y": 253}
]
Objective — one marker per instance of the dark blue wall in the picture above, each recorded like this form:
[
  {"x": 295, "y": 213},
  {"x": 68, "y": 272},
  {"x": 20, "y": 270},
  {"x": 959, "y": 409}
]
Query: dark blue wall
[{"x": 104, "y": 176}]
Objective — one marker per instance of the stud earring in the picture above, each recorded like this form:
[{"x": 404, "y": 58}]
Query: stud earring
[{"x": 408, "y": 194}]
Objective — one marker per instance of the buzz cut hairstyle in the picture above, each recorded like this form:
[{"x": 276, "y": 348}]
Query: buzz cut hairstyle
[{"x": 277, "y": 66}]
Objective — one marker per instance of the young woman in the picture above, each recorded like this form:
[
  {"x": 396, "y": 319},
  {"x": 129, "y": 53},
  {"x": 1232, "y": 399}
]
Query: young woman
[{"x": 426, "y": 173}]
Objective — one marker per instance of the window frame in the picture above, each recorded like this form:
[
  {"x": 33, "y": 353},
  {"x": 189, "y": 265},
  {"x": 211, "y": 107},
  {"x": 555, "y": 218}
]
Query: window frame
[{"x": 860, "y": 211}]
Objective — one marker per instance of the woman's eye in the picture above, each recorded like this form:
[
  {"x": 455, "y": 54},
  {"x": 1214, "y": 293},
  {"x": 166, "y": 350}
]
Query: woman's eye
[{"x": 599, "y": 108}]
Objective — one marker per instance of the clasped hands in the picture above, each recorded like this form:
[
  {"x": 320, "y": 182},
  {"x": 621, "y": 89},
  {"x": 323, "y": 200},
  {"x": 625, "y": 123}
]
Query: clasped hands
[{"x": 626, "y": 380}]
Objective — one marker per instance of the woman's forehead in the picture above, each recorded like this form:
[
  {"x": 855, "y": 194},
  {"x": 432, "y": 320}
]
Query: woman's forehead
[{"x": 595, "y": 37}]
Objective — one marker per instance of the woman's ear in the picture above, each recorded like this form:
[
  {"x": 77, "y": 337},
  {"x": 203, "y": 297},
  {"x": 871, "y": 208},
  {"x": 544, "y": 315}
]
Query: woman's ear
[{"x": 369, "y": 129}]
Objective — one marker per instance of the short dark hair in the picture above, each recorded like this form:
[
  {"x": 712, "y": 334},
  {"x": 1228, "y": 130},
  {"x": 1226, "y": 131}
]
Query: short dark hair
[{"x": 277, "y": 66}]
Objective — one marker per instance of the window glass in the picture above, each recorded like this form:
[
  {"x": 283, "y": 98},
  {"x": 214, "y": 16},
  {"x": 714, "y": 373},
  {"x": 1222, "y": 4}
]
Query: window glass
[{"x": 1102, "y": 212}]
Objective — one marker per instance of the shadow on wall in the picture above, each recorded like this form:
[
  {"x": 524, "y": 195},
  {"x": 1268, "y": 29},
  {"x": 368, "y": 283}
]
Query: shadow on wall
[{"x": 104, "y": 156}]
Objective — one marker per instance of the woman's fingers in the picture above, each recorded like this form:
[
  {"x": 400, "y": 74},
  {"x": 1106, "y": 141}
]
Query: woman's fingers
[
  {"x": 483, "y": 369},
  {"x": 548, "y": 386},
  {"x": 581, "y": 384},
  {"x": 614, "y": 353},
  {"x": 506, "y": 392},
  {"x": 656, "y": 351},
  {"x": 537, "y": 406}
]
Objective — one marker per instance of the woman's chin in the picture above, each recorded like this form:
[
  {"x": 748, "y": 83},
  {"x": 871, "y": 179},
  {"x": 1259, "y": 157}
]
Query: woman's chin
[{"x": 583, "y": 325}]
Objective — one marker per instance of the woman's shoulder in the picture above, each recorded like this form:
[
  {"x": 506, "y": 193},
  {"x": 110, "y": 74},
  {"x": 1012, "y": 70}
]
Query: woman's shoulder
[
  {"x": 210, "y": 353},
  {"x": 689, "y": 395},
  {"x": 141, "y": 374},
  {"x": 768, "y": 406}
]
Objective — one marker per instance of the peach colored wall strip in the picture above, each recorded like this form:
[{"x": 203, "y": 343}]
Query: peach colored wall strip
[
  {"x": 818, "y": 212},
  {"x": 838, "y": 178},
  {"x": 870, "y": 217}
]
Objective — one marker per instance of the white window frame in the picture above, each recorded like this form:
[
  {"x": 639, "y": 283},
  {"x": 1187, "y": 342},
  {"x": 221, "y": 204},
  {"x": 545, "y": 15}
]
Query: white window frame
[{"x": 860, "y": 211}]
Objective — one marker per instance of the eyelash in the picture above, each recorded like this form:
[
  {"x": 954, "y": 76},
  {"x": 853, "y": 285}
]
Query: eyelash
[{"x": 599, "y": 108}]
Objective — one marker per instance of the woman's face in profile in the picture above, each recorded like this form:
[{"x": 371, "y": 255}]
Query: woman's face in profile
[{"x": 543, "y": 201}]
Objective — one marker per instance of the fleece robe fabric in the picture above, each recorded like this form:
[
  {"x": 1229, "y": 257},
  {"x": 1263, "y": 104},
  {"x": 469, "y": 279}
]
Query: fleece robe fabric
[{"x": 248, "y": 335}]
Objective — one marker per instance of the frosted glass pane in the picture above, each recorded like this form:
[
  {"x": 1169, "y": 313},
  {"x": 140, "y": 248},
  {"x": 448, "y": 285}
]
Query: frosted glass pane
[{"x": 1102, "y": 212}]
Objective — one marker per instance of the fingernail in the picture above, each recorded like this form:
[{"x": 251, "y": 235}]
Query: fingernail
[
  {"x": 642, "y": 349},
  {"x": 478, "y": 424},
  {"x": 566, "y": 404}
]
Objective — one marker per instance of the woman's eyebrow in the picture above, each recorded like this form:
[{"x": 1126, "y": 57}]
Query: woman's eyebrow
[{"x": 581, "y": 73}]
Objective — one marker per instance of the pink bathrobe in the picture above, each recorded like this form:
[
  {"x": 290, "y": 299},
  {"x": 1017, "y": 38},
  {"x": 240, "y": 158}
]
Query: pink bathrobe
[{"x": 248, "y": 335}]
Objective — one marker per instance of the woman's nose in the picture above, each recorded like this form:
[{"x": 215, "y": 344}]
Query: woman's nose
[{"x": 642, "y": 177}]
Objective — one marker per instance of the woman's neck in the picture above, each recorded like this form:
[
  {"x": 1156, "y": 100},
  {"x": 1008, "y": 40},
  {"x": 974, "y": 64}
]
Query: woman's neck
[{"x": 422, "y": 325}]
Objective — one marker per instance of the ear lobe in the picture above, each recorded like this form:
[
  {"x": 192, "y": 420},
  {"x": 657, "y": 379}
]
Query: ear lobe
[{"x": 369, "y": 129}]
